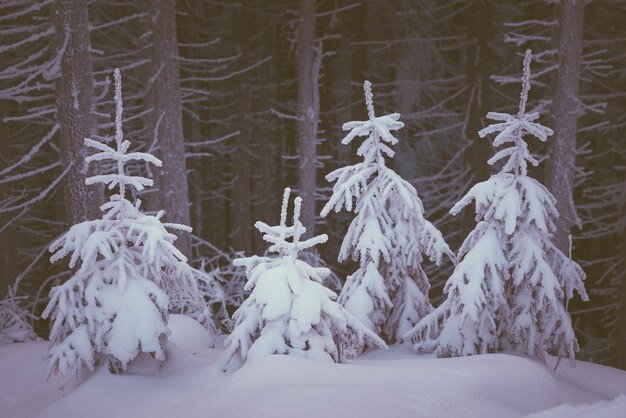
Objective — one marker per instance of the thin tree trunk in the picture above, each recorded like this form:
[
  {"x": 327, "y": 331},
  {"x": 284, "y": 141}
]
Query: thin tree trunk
[
  {"x": 266, "y": 135},
  {"x": 565, "y": 105},
  {"x": 620, "y": 326},
  {"x": 241, "y": 193},
  {"x": 75, "y": 107},
  {"x": 308, "y": 112},
  {"x": 163, "y": 96},
  {"x": 8, "y": 250},
  {"x": 479, "y": 65}
]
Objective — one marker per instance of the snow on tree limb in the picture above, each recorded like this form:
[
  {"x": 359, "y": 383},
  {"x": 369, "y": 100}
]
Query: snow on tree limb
[
  {"x": 389, "y": 234},
  {"x": 127, "y": 276},
  {"x": 511, "y": 286},
  {"x": 289, "y": 311}
]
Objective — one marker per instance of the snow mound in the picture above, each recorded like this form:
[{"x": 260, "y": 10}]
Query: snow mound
[
  {"x": 394, "y": 383},
  {"x": 612, "y": 409},
  {"x": 188, "y": 334}
]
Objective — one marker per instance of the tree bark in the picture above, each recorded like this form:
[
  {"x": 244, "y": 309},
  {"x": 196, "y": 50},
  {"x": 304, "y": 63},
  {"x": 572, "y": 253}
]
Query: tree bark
[
  {"x": 75, "y": 107},
  {"x": 565, "y": 105},
  {"x": 479, "y": 64},
  {"x": 265, "y": 192},
  {"x": 8, "y": 250},
  {"x": 308, "y": 57},
  {"x": 163, "y": 96},
  {"x": 242, "y": 221}
]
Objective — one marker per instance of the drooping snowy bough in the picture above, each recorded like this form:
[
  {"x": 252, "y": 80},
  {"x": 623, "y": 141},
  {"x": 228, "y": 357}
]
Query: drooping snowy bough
[
  {"x": 289, "y": 310},
  {"x": 512, "y": 285},
  {"x": 388, "y": 236},
  {"x": 127, "y": 274}
]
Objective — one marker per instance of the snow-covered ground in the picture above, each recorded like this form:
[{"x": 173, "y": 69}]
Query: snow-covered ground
[{"x": 393, "y": 383}]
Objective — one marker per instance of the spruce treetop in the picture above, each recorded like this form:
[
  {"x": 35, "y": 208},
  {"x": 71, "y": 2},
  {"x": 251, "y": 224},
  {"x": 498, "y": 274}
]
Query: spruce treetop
[
  {"x": 278, "y": 235},
  {"x": 513, "y": 128},
  {"x": 377, "y": 129},
  {"x": 120, "y": 154}
]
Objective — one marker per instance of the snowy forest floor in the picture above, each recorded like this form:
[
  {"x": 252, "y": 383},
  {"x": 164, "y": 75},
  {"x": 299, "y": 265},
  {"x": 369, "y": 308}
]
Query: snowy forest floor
[{"x": 393, "y": 383}]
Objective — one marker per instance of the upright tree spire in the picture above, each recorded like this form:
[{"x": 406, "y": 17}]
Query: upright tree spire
[
  {"x": 278, "y": 235},
  {"x": 119, "y": 110},
  {"x": 369, "y": 99},
  {"x": 525, "y": 84},
  {"x": 120, "y": 154},
  {"x": 512, "y": 130}
]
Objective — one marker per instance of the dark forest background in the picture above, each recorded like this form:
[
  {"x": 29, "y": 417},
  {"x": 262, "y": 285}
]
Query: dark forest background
[{"x": 240, "y": 99}]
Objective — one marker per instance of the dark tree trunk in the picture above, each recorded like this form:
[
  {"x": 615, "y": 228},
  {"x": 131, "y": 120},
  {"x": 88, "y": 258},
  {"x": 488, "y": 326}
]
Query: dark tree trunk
[
  {"x": 75, "y": 108},
  {"x": 8, "y": 250},
  {"x": 242, "y": 222},
  {"x": 266, "y": 138},
  {"x": 562, "y": 147},
  {"x": 163, "y": 96},
  {"x": 479, "y": 64},
  {"x": 308, "y": 112}
]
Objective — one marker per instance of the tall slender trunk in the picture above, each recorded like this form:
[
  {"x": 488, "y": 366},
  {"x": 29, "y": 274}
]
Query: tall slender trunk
[
  {"x": 266, "y": 135},
  {"x": 361, "y": 19},
  {"x": 241, "y": 193},
  {"x": 75, "y": 107},
  {"x": 163, "y": 96},
  {"x": 308, "y": 57},
  {"x": 565, "y": 105},
  {"x": 8, "y": 249},
  {"x": 479, "y": 64},
  {"x": 618, "y": 330}
]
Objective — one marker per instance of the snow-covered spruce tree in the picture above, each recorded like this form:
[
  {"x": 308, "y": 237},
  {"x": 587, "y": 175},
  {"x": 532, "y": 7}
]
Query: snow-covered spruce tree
[
  {"x": 511, "y": 287},
  {"x": 127, "y": 272},
  {"x": 388, "y": 236},
  {"x": 289, "y": 311}
]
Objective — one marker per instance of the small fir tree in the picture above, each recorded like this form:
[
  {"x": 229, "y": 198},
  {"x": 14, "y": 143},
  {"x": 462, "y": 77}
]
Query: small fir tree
[
  {"x": 126, "y": 273},
  {"x": 511, "y": 287},
  {"x": 289, "y": 311},
  {"x": 15, "y": 320},
  {"x": 389, "y": 234}
]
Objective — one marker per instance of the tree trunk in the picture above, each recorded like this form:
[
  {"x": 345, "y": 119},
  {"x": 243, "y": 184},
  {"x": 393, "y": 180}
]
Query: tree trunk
[
  {"x": 562, "y": 147},
  {"x": 163, "y": 96},
  {"x": 8, "y": 250},
  {"x": 266, "y": 134},
  {"x": 242, "y": 221},
  {"x": 75, "y": 108},
  {"x": 308, "y": 57},
  {"x": 479, "y": 65},
  {"x": 620, "y": 326}
]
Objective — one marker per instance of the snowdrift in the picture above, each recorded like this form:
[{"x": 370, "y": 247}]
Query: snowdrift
[{"x": 393, "y": 383}]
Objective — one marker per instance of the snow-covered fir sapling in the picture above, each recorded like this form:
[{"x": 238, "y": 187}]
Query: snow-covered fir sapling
[
  {"x": 389, "y": 234},
  {"x": 289, "y": 310},
  {"x": 511, "y": 286},
  {"x": 126, "y": 274},
  {"x": 15, "y": 320}
]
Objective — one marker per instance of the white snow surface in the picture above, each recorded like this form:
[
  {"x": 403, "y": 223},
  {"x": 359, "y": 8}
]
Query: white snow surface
[{"x": 392, "y": 383}]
